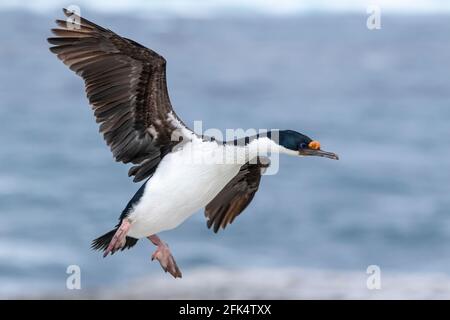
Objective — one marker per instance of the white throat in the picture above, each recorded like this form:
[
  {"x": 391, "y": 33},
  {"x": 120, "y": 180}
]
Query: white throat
[{"x": 265, "y": 146}]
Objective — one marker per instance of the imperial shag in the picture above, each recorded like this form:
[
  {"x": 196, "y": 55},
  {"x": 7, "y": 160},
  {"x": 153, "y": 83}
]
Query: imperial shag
[{"x": 126, "y": 87}]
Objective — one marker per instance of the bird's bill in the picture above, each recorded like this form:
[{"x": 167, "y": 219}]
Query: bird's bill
[{"x": 318, "y": 153}]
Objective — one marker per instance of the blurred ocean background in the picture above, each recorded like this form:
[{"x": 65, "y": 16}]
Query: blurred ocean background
[{"x": 380, "y": 99}]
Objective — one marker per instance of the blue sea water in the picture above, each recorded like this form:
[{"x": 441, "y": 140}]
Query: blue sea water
[{"x": 378, "y": 98}]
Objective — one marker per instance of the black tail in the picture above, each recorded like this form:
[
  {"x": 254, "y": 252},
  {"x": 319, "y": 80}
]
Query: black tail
[{"x": 101, "y": 243}]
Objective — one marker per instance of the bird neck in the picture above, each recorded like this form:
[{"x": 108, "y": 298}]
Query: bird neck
[
  {"x": 240, "y": 151},
  {"x": 268, "y": 143},
  {"x": 262, "y": 146}
]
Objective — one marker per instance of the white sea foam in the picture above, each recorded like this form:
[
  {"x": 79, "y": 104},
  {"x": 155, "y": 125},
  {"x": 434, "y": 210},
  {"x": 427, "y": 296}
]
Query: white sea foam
[
  {"x": 249, "y": 283},
  {"x": 214, "y": 7},
  {"x": 281, "y": 283}
]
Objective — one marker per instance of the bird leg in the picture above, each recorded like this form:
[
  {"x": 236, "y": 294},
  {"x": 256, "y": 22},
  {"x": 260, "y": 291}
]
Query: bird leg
[
  {"x": 119, "y": 238},
  {"x": 165, "y": 258}
]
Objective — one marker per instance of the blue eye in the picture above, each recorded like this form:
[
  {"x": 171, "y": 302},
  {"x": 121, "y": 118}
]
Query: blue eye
[{"x": 302, "y": 145}]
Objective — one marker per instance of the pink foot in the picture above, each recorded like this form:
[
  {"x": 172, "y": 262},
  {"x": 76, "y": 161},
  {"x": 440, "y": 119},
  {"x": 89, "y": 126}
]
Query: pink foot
[
  {"x": 119, "y": 238},
  {"x": 165, "y": 258}
]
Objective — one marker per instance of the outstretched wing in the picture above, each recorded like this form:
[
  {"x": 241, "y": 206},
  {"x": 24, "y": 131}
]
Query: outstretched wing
[
  {"x": 126, "y": 87},
  {"x": 236, "y": 195}
]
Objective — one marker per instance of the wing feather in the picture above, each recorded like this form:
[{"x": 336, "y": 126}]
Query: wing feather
[
  {"x": 236, "y": 195},
  {"x": 126, "y": 86}
]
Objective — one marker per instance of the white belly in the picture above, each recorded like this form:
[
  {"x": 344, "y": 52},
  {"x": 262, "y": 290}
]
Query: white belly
[{"x": 177, "y": 190}]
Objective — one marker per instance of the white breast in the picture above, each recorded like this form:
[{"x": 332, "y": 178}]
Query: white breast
[{"x": 185, "y": 181}]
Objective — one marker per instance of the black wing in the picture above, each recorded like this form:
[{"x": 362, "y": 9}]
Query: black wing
[
  {"x": 126, "y": 87},
  {"x": 236, "y": 195}
]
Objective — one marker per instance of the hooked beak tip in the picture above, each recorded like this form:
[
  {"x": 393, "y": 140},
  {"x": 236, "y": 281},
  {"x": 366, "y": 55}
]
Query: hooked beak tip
[
  {"x": 329, "y": 155},
  {"x": 319, "y": 153}
]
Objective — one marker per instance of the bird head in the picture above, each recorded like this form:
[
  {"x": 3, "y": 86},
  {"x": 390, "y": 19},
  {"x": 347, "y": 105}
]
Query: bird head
[{"x": 301, "y": 145}]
